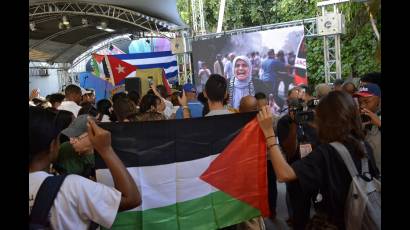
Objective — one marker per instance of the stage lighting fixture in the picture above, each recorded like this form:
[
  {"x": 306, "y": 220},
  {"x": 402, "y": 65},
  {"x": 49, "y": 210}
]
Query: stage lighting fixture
[
  {"x": 65, "y": 20},
  {"x": 84, "y": 21},
  {"x": 33, "y": 26},
  {"x": 103, "y": 25}
]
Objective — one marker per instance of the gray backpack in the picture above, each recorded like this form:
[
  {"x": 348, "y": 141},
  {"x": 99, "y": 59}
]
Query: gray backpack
[{"x": 363, "y": 202}]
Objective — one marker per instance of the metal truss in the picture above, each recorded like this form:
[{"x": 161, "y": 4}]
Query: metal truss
[
  {"x": 331, "y": 47},
  {"x": 331, "y": 44},
  {"x": 309, "y": 28},
  {"x": 55, "y": 57},
  {"x": 137, "y": 19},
  {"x": 198, "y": 20},
  {"x": 58, "y": 34},
  {"x": 106, "y": 43},
  {"x": 45, "y": 65}
]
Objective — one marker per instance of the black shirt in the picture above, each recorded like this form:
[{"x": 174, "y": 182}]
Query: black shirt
[
  {"x": 310, "y": 135},
  {"x": 324, "y": 169}
]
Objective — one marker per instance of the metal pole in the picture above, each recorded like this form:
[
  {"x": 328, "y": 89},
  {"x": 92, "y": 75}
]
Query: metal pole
[
  {"x": 201, "y": 17},
  {"x": 221, "y": 15},
  {"x": 326, "y": 56},
  {"x": 338, "y": 59}
]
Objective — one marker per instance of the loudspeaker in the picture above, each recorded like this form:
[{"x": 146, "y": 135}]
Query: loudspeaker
[
  {"x": 331, "y": 24},
  {"x": 133, "y": 83}
]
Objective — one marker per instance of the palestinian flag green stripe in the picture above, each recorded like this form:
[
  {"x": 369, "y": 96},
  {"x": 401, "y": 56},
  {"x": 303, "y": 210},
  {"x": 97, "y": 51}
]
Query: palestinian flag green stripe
[
  {"x": 209, "y": 212},
  {"x": 204, "y": 173}
]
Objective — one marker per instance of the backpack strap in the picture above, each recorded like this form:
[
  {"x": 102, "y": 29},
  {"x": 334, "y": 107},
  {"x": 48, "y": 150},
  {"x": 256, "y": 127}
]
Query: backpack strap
[
  {"x": 365, "y": 165},
  {"x": 347, "y": 159},
  {"x": 45, "y": 199}
]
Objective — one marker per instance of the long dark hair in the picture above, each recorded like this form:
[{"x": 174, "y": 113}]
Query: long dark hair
[
  {"x": 124, "y": 108},
  {"x": 103, "y": 108},
  {"x": 338, "y": 119},
  {"x": 148, "y": 101}
]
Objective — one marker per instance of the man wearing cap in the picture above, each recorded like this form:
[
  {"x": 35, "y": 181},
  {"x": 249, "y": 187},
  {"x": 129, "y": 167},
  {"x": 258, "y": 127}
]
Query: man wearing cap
[
  {"x": 369, "y": 96},
  {"x": 72, "y": 99},
  {"x": 76, "y": 156},
  {"x": 195, "y": 107},
  {"x": 89, "y": 96}
]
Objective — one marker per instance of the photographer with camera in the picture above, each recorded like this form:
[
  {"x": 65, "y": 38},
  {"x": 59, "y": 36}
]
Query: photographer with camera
[
  {"x": 297, "y": 138},
  {"x": 369, "y": 96}
]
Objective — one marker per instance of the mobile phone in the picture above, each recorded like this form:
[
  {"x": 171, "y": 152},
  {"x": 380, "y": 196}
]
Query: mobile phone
[
  {"x": 150, "y": 80},
  {"x": 365, "y": 118}
]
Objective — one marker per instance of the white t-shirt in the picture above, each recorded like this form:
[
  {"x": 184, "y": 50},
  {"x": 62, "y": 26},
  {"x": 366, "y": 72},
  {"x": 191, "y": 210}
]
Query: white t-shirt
[
  {"x": 70, "y": 106},
  {"x": 169, "y": 107},
  {"x": 105, "y": 118},
  {"x": 218, "y": 112},
  {"x": 78, "y": 202}
]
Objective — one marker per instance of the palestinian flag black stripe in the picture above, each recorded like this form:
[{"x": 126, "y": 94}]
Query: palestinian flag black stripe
[
  {"x": 204, "y": 173},
  {"x": 163, "y": 142}
]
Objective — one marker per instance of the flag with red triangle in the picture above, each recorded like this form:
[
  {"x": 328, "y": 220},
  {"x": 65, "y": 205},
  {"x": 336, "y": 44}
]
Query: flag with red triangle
[
  {"x": 119, "y": 69},
  {"x": 206, "y": 173},
  {"x": 98, "y": 66}
]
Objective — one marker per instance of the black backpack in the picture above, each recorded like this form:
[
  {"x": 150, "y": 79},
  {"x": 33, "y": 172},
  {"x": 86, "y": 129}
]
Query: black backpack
[{"x": 44, "y": 200}]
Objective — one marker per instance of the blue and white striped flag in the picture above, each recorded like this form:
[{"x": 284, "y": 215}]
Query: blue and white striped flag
[{"x": 165, "y": 60}]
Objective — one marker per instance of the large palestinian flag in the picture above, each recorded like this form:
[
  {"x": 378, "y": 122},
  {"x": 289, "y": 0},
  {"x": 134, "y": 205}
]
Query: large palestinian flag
[{"x": 203, "y": 173}]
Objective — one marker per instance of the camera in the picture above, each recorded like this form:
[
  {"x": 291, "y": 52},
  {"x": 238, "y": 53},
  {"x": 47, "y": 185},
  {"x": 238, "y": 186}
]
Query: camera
[
  {"x": 312, "y": 103},
  {"x": 365, "y": 118},
  {"x": 303, "y": 111}
]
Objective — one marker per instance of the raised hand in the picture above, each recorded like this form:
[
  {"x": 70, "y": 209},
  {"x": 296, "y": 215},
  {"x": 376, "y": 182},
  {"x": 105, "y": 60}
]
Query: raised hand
[
  {"x": 99, "y": 137},
  {"x": 265, "y": 120},
  {"x": 183, "y": 101},
  {"x": 374, "y": 119}
]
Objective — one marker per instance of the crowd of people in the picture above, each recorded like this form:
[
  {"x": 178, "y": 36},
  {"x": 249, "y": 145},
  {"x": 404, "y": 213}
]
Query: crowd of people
[
  {"x": 244, "y": 73},
  {"x": 64, "y": 134}
]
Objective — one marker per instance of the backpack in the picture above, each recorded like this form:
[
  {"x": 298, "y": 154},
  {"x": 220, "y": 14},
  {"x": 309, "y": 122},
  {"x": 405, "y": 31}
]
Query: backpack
[
  {"x": 44, "y": 200},
  {"x": 363, "y": 202}
]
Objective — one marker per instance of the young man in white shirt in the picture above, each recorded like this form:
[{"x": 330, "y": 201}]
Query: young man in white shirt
[
  {"x": 72, "y": 99},
  {"x": 79, "y": 200}
]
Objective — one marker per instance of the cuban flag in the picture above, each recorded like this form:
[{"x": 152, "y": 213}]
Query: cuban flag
[{"x": 165, "y": 60}]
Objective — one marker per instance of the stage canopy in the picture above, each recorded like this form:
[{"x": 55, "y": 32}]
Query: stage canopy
[{"x": 62, "y": 30}]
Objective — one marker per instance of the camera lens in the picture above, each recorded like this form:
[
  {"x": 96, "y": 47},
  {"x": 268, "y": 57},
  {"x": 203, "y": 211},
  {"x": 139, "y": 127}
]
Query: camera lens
[{"x": 365, "y": 118}]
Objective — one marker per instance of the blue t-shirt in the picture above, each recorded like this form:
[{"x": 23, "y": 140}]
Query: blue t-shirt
[
  {"x": 195, "y": 107},
  {"x": 270, "y": 68}
]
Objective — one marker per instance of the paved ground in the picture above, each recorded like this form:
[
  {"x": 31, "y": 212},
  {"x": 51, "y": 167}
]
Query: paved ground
[{"x": 281, "y": 211}]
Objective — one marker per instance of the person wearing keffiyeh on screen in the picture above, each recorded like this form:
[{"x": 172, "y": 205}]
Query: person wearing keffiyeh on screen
[{"x": 241, "y": 84}]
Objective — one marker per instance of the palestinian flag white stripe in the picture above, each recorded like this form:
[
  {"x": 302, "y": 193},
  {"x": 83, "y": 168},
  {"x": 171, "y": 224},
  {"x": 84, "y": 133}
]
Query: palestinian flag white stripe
[{"x": 167, "y": 184}]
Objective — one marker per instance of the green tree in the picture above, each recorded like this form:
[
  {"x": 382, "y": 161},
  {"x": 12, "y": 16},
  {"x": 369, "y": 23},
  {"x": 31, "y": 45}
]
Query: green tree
[{"x": 360, "y": 50}]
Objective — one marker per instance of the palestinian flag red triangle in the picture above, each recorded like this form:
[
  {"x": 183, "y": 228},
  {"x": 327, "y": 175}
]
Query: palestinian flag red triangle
[
  {"x": 98, "y": 57},
  {"x": 164, "y": 80},
  {"x": 119, "y": 69},
  {"x": 240, "y": 170}
]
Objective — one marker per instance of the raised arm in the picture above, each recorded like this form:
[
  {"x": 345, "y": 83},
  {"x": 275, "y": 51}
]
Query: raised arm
[
  {"x": 101, "y": 140},
  {"x": 282, "y": 169}
]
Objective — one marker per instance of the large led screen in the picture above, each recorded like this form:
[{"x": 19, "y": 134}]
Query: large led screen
[{"x": 270, "y": 61}]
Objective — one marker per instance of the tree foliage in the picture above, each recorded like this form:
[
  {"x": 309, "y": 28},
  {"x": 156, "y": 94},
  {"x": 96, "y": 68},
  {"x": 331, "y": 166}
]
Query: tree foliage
[{"x": 360, "y": 50}]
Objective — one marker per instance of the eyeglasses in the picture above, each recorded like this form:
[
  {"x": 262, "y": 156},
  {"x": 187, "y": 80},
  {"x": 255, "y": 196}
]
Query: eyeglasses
[{"x": 79, "y": 138}]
